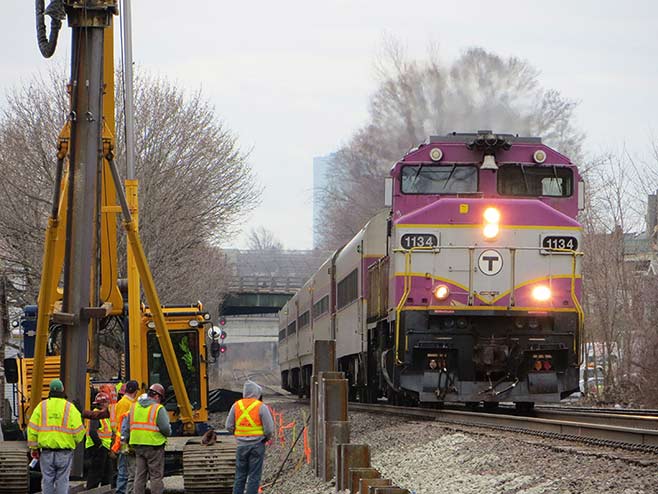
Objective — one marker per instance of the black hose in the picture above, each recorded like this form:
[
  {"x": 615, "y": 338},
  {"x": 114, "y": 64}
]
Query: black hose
[
  {"x": 57, "y": 14},
  {"x": 288, "y": 455}
]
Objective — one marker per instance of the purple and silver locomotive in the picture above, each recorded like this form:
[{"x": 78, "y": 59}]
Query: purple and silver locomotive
[{"x": 465, "y": 288}]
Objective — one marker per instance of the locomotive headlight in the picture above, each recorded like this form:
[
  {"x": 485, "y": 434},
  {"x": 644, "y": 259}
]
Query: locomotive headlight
[
  {"x": 491, "y": 220},
  {"x": 491, "y": 215},
  {"x": 441, "y": 292},
  {"x": 490, "y": 231},
  {"x": 541, "y": 293}
]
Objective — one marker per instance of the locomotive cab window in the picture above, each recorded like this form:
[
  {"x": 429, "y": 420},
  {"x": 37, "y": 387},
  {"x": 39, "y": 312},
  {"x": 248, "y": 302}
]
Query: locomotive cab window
[
  {"x": 535, "y": 181},
  {"x": 444, "y": 179}
]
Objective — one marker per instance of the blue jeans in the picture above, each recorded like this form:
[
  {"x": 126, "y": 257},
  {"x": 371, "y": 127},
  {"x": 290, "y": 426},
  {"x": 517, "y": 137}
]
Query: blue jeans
[
  {"x": 55, "y": 470},
  {"x": 248, "y": 467},
  {"x": 122, "y": 474}
]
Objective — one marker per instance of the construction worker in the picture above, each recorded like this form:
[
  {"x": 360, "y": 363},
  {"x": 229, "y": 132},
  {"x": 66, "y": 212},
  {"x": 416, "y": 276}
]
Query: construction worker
[
  {"x": 111, "y": 393},
  {"x": 97, "y": 446},
  {"x": 126, "y": 463},
  {"x": 54, "y": 430},
  {"x": 252, "y": 425},
  {"x": 146, "y": 430}
]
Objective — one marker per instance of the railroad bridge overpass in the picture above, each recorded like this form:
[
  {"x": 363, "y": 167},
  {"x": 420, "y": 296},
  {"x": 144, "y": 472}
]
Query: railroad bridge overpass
[{"x": 260, "y": 283}]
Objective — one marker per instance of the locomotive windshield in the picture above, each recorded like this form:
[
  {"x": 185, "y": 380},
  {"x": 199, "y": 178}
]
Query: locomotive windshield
[
  {"x": 527, "y": 180},
  {"x": 444, "y": 179}
]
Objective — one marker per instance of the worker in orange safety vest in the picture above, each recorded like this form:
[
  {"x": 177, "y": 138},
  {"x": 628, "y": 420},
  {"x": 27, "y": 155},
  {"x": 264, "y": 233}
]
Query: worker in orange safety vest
[
  {"x": 126, "y": 461},
  {"x": 251, "y": 422}
]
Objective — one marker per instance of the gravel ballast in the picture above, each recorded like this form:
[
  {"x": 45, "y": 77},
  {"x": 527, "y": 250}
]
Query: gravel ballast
[{"x": 429, "y": 458}]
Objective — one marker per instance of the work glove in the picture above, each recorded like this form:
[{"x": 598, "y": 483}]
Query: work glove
[{"x": 35, "y": 454}]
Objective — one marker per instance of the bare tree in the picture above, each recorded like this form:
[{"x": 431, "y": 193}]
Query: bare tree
[
  {"x": 194, "y": 183},
  {"x": 260, "y": 238},
  {"x": 29, "y": 124},
  {"x": 619, "y": 321},
  {"x": 417, "y": 98}
]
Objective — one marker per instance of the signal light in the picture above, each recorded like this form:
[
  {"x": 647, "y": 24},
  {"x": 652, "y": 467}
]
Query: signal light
[
  {"x": 222, "y": 334},
  {"x": 547, "y": 365},
  {"x": 222, "y": 321},
  {"x": 214, "y": 349},
  {"x": 222, "y": 349}
]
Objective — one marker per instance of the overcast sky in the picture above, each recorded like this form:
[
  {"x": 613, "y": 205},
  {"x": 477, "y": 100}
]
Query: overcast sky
[{"x": 292, "y": 79}]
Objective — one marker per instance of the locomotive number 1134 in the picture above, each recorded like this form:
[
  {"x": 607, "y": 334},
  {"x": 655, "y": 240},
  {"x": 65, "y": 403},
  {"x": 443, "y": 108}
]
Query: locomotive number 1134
[
  {"x": 552, "y": 244},
  {"x": 410, "y": 240}
]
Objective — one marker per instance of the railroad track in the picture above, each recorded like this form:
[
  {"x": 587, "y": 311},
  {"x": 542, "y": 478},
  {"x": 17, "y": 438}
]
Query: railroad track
[
  {"x": 633, "y": 418},
  {"x": 591, "y": 428}
]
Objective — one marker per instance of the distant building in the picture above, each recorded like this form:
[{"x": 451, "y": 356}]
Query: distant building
[{"x": 320, "y": 166}]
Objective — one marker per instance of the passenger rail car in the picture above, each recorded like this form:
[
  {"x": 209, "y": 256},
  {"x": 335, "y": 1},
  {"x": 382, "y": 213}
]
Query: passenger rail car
[{"x": 465, "y": 288}]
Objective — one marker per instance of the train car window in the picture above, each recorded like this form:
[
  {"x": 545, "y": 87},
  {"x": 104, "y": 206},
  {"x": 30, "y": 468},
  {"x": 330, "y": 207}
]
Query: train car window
[
  {"x": 444, "y": 179},
  {"x": 292, "y": 328},
  {"x": 347, "y": 289},
  {"x": 535, "y": 181},
  {"x": 282, "y": 334},
  {"x": 303, "y": 320},
  {"x": 321, "y": 307}
]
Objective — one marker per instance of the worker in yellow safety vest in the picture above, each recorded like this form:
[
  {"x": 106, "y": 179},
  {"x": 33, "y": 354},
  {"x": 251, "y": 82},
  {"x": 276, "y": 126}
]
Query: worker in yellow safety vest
[
  {"x": 54, "y": 430},
  {"x": 97, "y": 446},
  {"x": 251, "y": 422},
  {"x": 126, "y": 461},
  {"x": 146, "y": 430}
]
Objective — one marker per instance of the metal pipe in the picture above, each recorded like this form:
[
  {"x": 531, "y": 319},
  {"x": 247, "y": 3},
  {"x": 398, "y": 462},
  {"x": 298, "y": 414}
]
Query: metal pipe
[
  {"x": 126, "y": 18},
  {"x": 133, "y": 359},
  {"x": 85, "y": 162},
  {"x": 471, "y": 254},
  {"x": 512, "y": 252}
]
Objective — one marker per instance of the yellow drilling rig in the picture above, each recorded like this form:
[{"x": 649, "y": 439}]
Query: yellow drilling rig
[{"x": 80, "y": 289}]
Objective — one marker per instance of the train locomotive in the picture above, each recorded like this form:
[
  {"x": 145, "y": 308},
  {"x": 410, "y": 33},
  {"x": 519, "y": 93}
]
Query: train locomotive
[{"x": 466, "y": 288}]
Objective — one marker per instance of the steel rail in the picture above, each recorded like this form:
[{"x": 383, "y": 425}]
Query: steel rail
[
  {"x": 634, "y": 438},
  {"x": 634, "y": 421},
  {"x": 622, "y": 411}
]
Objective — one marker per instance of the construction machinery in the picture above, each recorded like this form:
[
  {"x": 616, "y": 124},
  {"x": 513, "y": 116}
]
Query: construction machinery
[{"x": 80, "y": 290}]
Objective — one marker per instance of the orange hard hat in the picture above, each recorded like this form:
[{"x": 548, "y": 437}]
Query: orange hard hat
[{"x": 101, "y": 399}]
